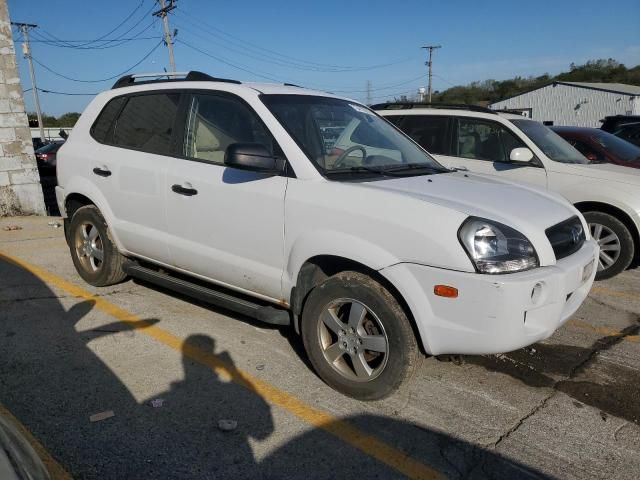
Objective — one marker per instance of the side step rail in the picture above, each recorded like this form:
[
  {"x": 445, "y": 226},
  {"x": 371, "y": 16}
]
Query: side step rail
[{"x": 259, "y": 311}]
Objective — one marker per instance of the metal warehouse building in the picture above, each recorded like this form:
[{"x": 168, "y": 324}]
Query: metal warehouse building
[{"x": 575, "y": 103}]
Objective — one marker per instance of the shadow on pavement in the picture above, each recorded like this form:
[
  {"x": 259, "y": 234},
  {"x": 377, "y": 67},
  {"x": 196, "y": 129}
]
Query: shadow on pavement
[{"x": 53, "y": 381}]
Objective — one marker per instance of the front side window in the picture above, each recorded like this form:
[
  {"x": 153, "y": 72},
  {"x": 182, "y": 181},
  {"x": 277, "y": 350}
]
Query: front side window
[
  {"x": 552, "y": 144},
  {"x": 215, "y": 122},
  {"x": 485, "y": 140},
  {"x": 339, "y": 136},
  {"x": 146, "y": 123},
  {"x": 430, "y": 132}
]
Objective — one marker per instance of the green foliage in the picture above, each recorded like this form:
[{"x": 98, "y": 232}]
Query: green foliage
[
  {"x": 66, "y": 120},
  {"x": 489, "y": 91}
]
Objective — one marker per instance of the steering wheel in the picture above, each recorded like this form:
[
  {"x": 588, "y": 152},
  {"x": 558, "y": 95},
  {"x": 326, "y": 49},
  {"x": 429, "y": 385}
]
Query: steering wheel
[{"x": 345, "y": 154}]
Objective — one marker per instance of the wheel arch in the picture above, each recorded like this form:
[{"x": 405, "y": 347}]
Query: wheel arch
[
  {"x": 618, "y": 213},
  {"x": 317, "y": 269}
]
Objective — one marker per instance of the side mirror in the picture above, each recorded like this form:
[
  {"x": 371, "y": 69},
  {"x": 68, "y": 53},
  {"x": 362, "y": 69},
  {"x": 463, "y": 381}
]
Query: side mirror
[
  {"x": 522, "y": 155},
  {"x": 254, "y": 157}
]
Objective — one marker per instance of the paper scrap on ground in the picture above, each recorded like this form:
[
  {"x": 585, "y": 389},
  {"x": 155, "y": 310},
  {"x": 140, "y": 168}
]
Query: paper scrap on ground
[{"x": 97, "y": 417}]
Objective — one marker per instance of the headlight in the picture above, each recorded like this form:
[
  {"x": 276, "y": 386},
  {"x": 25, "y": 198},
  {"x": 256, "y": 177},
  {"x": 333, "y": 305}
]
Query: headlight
[{"x": 496, "y": 248}]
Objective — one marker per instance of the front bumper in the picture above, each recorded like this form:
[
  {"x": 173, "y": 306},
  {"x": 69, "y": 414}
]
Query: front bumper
[{"x": 494, "y": 313}]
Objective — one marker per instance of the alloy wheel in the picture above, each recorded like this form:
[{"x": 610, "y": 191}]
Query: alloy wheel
[
  {"x": 353, "y": 340},
  {"x": 609, "y": 245},
  {"x": 89, "y": 247}
]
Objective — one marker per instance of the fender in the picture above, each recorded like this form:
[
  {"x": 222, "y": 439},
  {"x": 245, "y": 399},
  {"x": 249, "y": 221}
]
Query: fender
[
  {"x": 82, "y": 186},
  {"x": 326, "y": 242}
]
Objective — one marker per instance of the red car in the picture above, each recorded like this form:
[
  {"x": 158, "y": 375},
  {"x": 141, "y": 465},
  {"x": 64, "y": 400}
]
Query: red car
[
  {"x": 46, "y": 157},
  {"x": 600, "y": 146}
]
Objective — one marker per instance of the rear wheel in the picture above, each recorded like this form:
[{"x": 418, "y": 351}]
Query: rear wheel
[
  {"x": 358, "y": 337},
  {"x": 616, "y": 243},
  {"x": 94, "y": 254}
]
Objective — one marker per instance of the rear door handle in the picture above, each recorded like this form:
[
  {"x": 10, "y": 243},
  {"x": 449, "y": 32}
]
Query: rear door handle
[
  {"x": 186, "y": 191},
  {"x": 102, "y": 171}
]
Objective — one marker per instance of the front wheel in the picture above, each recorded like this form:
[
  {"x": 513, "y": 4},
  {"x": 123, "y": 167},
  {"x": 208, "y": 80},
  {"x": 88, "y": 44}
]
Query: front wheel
[
  {"x": 358, "y": 337},
  {"x": 616, "y": 243}
]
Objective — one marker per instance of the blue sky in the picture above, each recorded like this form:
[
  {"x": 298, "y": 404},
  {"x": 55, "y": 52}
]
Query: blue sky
[{"x": 332, "y": 45}]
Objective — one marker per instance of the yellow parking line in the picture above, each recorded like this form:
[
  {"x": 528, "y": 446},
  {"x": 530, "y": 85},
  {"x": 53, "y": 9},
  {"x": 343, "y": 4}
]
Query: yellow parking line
[
  {"x": 602, "y": 330},
  {"x": 614, "y": 293},
  {"x": 364, "y": 442},
  {"x": 56, "y": 471}
]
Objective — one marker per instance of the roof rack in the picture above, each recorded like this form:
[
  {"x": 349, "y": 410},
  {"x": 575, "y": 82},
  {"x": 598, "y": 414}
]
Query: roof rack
[
  {"x": 192, "y": 76},
  {"x": 449, "y": 106}
]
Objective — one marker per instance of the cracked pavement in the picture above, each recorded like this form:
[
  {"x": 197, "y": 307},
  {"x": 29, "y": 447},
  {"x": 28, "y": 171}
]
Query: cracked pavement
[{"x": 567, "y": 407}]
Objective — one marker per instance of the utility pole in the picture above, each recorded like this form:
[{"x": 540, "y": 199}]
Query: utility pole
[
  {"x": 168, "y": 37},
  {"x": 369, "y": 97},
  {"x": 26, "y": 50},
  {"x": 431, "y": 48}
]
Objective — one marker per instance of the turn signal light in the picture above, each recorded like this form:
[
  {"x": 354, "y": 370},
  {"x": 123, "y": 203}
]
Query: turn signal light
[{"x": 445, "y": 291}]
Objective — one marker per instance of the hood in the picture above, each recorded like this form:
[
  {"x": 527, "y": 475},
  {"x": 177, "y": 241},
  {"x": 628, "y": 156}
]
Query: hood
[
  {"x": 601, "y": 172},
  {"x": 525, "y": 208}
]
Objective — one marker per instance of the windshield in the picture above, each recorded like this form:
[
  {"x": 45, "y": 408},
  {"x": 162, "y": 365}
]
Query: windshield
[
  {"x": 340, "y": 136},
  {"x": 552, "y": 144},
  {"x": 620, "y": 148}
]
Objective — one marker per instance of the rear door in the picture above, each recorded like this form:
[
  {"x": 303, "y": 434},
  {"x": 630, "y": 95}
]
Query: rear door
[
  {"x": 226, "y": 225},
  {"x": 484, "y": 146},
  {"x": 130, "y": 168}
]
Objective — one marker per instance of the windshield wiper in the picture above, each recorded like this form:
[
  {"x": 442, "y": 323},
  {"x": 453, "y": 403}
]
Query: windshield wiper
[
  {"x": 416, "y": 166},
  {"x": 362, "y": 168}
]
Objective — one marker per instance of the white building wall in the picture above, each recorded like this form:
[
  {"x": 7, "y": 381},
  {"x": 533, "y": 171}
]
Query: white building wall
[{"x": 571, "y": 105}]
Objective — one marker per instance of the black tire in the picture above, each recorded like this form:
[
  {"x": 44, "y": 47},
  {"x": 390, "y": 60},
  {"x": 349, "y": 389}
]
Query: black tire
[
  {"x": 609, "y": 223},
  {"x": 388, "y": 372},
  {"x": 99, "y": 273}
]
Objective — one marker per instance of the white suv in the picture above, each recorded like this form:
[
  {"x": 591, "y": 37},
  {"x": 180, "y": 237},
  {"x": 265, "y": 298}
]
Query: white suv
[
  {"x": 229, "y": 192},
  {"x": 516, "y": 148}
]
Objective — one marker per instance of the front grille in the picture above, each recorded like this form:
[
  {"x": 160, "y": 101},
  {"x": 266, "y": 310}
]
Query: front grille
[{"x": 566, "y": 237}]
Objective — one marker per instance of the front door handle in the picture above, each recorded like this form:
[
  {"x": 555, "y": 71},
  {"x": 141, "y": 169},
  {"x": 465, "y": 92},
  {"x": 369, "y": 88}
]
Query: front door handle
[
  {"x": 102, "y": 171},
  {"x": 186, "y": 191}
]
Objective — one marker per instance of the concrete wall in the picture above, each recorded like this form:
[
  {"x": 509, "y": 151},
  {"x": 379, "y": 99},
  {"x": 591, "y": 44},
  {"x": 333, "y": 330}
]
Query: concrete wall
[
  {"x": 20, "y": 190},
  {"x": 571, "y": 105}
]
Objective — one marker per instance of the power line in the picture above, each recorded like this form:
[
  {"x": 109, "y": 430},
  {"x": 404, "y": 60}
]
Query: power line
[
  {"x": 226, "y": 62},
  {"x": 66, "y": 93},
  {"x": 102, "y": 79},
  {"x": 271, "y": 56},
  {"x": 78, "y": 41}
]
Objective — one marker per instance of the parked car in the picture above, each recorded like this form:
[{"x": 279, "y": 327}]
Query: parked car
[
  {"x": 225, "y": 191},
  {"x": 516, "y": 148},
  {"x": 600, "y": 146},
  {"x": 626, "y": 127},
  {"x": 46, "y": 157}
]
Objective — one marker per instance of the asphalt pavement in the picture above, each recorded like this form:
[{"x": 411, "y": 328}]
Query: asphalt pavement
[{"x": 134, "y": 382}]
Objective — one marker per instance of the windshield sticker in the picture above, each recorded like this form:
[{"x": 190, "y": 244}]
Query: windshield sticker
[{"x": 360, "y": 109}]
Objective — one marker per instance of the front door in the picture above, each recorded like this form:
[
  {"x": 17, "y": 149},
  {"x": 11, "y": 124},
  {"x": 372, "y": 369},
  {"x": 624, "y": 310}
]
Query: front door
[
  {"x": 226, "y": 225},
  {"x": 484, "y": 146}
]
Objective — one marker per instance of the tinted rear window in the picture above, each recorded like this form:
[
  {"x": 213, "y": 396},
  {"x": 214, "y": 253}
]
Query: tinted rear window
[
  {"x": 146, "y": 122},
  {"x": 101, "y": 129}
]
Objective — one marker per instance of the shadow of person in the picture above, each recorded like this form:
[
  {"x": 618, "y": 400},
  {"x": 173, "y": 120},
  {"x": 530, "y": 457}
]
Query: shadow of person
[
  {"x": 51, "y": 379},
  {"x": 420, "y": 453},
  {"x": 189, "y": 413}
]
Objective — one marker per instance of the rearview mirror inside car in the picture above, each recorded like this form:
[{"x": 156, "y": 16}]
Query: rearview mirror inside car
[
  {"x": 522, "y": 154},
  {"x": 254, "y": 157}
]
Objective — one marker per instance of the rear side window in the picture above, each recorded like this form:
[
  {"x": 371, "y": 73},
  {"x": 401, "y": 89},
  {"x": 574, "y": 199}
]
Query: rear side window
[
  {"x": 146, "y": 123},
  {"x": 430, "y": 132},
  {"x": 101, "y": 129}
]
